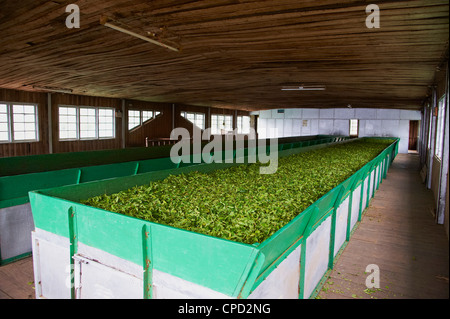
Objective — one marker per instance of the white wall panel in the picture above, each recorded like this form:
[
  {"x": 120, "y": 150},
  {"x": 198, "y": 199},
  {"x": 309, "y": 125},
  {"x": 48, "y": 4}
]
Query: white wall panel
[
  {"x": 344, "y": 113},
  {"x": 276, "y": 115},
  {"x": 296, "y": 127},
  {"x": 314, "y": 126},
  {"x": 373, "y": 122},
  {"x": 311, "y": 113},
  {"x": 389, "y": 127},
  {"x": 341, "y": 127},
  {"x": 287, "y": 129},
  {"x": 293, "y": 113},
  {"x": 365, "y": 114},
  {"x": 317, "y": 255},
  {"x": 326, "y": 127},
  {"x": 385, "y": 114},
  {"x": 279, "y": 124},
  {"x": 326, "y": 113},
  {"x": 283, "y": 281}
]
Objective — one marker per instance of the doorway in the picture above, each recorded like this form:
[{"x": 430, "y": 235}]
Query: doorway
[{"x": 413, "y": 135}]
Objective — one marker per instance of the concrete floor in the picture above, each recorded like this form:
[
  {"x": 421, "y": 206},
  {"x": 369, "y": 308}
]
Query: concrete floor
[{"x": 397, "y": 233}]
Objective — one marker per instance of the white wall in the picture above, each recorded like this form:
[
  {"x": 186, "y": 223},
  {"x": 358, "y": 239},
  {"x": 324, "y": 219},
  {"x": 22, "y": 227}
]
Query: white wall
[{"x": 372, "y": 122}]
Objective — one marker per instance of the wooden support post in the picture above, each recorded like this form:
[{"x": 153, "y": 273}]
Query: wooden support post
[
  {"x": 440, "y": 215},
  {"x": 50, "y": 123},
  {"x": 433, "y": 135}
]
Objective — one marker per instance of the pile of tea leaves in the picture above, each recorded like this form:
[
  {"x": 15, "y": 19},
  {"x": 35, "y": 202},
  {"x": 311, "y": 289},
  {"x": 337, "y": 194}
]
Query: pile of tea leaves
[{"x": 239, "y": 203}]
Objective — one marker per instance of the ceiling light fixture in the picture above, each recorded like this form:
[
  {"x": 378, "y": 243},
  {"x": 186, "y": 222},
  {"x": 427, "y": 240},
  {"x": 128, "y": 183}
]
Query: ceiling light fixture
[
  {"x": 303, "y": 88},
  {"x": 104, "y": 21}
]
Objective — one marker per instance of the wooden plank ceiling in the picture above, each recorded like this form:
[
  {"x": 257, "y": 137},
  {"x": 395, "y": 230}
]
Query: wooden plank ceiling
[{"x": 234, "y": 53}]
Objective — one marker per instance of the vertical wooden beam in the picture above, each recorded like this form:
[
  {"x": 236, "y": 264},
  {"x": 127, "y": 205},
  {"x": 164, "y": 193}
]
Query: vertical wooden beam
[
  {"x": 173, "y": 116},
  {"x": 124, "y": 125},
  {"x": 50, "y": 123},
  {"x": 432, "y": 137},
  {"x": 440, "y": 215},
  {"x": 420, "y": 144},
  {"x": 208, "y": 123},
  {"x": 425, "y": 130}
]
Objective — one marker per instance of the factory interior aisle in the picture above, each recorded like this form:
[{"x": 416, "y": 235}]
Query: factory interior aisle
[{"x": 397, "y": 241}]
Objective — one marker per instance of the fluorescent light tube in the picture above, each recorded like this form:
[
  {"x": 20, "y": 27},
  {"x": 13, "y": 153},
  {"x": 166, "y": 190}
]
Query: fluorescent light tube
[
  {"x": 52, "y": 89},
  {"x": 120, "y": 29},
  {"x": 303, "y": 88}
]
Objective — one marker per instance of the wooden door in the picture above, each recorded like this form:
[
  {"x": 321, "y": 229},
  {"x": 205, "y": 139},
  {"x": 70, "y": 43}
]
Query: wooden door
[{"x": 413, "y": 135}]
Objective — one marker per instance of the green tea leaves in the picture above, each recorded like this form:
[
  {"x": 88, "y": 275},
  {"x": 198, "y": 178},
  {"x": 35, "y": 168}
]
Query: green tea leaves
[{"x": 238, "y": 203}]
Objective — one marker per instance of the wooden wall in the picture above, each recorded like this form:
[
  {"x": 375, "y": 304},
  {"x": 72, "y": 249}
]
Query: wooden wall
[
  {"x": 84, "y": 145},
  {"x": 158, "y": 128}
]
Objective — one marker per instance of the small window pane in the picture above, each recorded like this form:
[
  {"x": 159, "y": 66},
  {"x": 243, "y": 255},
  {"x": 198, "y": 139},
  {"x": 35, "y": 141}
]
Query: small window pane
[
  {"x": 4, "y": 136},
  {"x": 19, "y": 135},
  {"x": 30, "y": 135},
  {"x": 28, "y": 109},
  {"x": 3, "y": 127},
  {"x": 147, "y": 115}
]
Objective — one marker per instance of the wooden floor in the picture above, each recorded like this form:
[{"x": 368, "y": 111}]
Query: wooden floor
[
  {"x": 397, "y": 233},
  {"x": 16, "y": 280}
]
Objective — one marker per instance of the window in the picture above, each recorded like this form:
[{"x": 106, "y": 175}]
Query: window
[
  {"x": 221, "y": 124},
  {"x": 68, "y": 123},
  {"x": 197, "y": 118},
  {"x": 106, "y": 123},
  {"x": 86, "y": 123},
  {"x": 354, "y": 127},
  {"x": 243, "y": 124},
  {"x": 137, "y": 118},
  {"x": 440, "y": 127},
  {"x": 18, "y": 123},
  {"x": 88, "y": 127}
]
